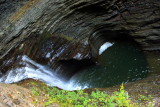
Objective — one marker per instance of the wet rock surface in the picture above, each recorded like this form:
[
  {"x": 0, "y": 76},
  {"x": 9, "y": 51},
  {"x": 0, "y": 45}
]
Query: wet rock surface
[
  {"x": 76, "y": 21},
  {"x": 79, "y": 19},
  {"x": 9, "y": 6},
  {"x": 55, "y": 51}
]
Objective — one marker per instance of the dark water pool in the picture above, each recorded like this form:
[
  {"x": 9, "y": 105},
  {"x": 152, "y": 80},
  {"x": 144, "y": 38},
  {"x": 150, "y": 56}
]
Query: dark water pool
[
  {"x": 117, "y": 62},
  {"x": 121, "y": 62}
]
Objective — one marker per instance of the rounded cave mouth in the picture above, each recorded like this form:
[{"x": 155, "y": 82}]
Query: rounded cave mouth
[{"x": 115, "y": 59}]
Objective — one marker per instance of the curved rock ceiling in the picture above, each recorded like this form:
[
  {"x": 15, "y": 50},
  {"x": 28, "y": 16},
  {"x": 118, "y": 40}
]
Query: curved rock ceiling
[{"x": 79, "y": 19}]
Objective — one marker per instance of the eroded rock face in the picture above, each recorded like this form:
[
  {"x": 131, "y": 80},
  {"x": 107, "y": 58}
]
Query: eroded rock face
[
  {"x": 7, "y": 7},
  {"x": 55, "y": 53},
  {"x": 80, "y": 19}
]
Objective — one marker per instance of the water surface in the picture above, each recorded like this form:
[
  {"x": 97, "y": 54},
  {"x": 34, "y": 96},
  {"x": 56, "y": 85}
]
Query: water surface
[
  {"x": 117, "y": 62},
  {"x": 121, "y": 62}
]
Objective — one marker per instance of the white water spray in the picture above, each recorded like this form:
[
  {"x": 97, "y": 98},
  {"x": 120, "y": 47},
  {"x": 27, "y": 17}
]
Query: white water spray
[
  {"x": 33, "y": 70},
  {"x": 104, "y": 47}
]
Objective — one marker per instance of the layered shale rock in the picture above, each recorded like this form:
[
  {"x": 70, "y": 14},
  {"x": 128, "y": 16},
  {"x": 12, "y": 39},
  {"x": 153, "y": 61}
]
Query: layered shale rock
[
  {"x": 79, "y": 19},
  {"x": 73, "y": 26},
  {"x": 59, "y": 53}
]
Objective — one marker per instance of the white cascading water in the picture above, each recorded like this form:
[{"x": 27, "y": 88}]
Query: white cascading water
[
  {"x": 36, "y": 71},
  {"x": 39, "y": 72},
  {"x": 105, "y": 46}
]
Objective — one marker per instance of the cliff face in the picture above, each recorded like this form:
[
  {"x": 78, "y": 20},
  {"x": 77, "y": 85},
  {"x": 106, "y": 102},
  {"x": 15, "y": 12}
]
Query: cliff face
[
  {"x": 79, "y": 19},
  {"x": 75, "y": 22}
]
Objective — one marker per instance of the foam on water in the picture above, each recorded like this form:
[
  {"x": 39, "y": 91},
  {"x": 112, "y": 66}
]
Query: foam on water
[
  {"x": 118, "y": 63},
  {"x": 33, "y": 70},
  {"x": 104, "y": 47}
]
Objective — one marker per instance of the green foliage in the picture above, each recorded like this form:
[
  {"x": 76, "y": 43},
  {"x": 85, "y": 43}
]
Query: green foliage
[
  {"x": 145, "y": 98},
  {"x": 35, "y": 92},
  {"x": 81, "y": 98}
]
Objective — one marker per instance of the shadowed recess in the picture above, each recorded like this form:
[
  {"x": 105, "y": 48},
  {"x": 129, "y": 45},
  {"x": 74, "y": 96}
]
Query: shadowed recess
[{"x": 111, "y": 58}]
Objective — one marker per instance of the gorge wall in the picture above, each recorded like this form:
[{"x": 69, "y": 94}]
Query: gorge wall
[{"x": 79, "y": 19}]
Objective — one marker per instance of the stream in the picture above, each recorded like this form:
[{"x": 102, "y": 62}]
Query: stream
[{"x": 117, "y": 62}]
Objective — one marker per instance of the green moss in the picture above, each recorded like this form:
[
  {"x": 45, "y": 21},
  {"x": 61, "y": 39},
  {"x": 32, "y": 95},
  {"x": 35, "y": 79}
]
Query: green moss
[
  {"x": 45, "y": 35},
  {"x": 68, "y": 38}
]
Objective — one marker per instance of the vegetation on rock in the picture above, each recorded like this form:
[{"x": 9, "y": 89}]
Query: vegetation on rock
[{"x": 81, "y": 98}]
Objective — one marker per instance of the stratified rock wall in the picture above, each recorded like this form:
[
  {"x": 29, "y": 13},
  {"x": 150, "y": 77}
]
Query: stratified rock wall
[{"x": 79, "y": 19}]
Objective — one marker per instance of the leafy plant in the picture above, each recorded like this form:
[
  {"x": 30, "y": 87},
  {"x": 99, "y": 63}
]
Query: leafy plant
[
  {"x": 145, "y": 98},
  {"x": 35, "y": 92},
  {"x": 80, "y": 98}
]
